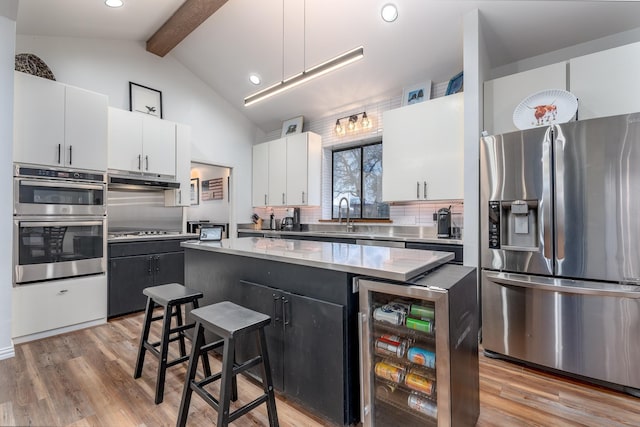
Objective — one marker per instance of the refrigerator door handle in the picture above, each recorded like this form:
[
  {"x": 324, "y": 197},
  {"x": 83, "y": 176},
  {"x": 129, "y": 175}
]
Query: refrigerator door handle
[
  {"x": 559, "y": 142},
  {"x": 546, "y": 218},
  {"x": 567, "y": 286}
]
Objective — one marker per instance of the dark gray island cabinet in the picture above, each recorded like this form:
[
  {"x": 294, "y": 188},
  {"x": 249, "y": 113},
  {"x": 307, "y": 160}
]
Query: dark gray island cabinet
[{"x": 307, "y": 288}]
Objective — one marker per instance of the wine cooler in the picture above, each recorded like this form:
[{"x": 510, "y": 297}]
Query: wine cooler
[{"x": 419, "y": 350}]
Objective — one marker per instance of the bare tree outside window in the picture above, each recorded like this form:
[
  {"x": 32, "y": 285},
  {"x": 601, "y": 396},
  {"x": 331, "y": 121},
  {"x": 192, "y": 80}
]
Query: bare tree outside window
[{"x": 357, "y": 175}]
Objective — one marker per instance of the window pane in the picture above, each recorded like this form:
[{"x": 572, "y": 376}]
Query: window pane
[
  {"x": 372, "y": 182},
  {"x": 347, "y": 181}
]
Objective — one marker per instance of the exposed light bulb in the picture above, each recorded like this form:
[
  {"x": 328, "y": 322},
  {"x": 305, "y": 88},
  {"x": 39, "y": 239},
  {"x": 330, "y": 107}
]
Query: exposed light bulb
[
  {"x": 352, "y": 123},
  {"x": 366, "y": 123},
  {"x": 339, "y": 129}
]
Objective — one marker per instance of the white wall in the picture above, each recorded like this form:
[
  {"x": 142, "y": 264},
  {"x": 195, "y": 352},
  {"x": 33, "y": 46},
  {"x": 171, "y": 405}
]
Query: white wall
[
  {"x": 560, "y": 55},
  {"x": 220, "y": 134},
  {"x": 7, "y": 43}
]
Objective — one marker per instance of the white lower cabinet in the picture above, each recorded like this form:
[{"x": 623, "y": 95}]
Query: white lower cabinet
[
  {"x": 423, "y": 151},
  {"x": 42, "y": 309}
]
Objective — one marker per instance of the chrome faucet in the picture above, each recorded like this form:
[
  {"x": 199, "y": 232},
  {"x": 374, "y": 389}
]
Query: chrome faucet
[{"x": 349, "y": 226}]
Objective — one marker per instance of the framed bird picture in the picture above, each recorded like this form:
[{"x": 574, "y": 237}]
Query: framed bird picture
[{"x": 145, "y": 100}]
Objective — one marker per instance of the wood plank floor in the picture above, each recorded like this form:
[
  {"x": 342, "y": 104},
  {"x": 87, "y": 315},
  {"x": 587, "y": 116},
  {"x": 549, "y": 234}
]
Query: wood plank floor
[{"x": 84, "y": 378}]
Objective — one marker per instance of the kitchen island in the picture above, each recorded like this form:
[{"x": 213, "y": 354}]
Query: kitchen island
[{"x": 308, "y": 290}]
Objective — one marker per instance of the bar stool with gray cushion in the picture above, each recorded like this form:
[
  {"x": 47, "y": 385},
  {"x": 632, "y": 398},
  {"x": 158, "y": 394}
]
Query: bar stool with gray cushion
[
  {"x": 170, "y": 296},
  {"x": 229, "y": 321}
]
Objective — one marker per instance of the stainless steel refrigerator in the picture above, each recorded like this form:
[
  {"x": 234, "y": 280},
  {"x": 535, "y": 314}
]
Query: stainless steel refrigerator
[{"x": 560, "y": 248}]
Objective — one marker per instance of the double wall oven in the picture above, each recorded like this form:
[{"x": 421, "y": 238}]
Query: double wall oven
[{"x": 59, "y": 224}]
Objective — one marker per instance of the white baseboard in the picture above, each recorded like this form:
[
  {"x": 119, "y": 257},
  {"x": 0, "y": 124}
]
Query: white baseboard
[
  {"x": 7, "y": 352},
  {"x": 52, "y": 332}
]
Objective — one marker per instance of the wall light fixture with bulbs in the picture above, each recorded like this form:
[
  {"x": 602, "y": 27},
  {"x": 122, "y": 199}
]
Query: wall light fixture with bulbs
[{"x": 352, "y": 122}]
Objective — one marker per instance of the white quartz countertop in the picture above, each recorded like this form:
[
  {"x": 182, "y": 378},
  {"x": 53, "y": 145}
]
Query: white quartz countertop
[{"x": 374, "y": 261}]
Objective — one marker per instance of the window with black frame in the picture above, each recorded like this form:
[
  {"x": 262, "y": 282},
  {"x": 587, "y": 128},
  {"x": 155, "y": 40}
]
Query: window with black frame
[{"x": 357, "y": 176}]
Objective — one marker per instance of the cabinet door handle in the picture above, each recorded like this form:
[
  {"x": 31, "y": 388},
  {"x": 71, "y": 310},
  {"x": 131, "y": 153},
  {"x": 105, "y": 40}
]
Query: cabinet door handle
[
  {"x": 303, "y": 197},
  {"x": 71, "y": 154},
  {"x": 157, "y": 258},
  {"x": 417, "y": 189},
  {"x": 59, "y": 152},
  {"x": 276, "y": 318},
  {"x": 146, "y": 160},
  {"x": 179, "y": 197},
  {"x": 283, "y": 198},
  {"x": 285, "y": 321},
  {"x": 63, "y": 291},
  {"x": 425, "y": 189},
  {"x": 139, "y": 161},
  {"x": 265, "y": 199},
  {"x": 150, "y": 259}
]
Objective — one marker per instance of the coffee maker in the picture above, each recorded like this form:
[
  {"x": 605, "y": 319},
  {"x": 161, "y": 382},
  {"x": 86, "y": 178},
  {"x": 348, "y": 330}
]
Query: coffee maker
[
  {"x": 444, "y": 222},
  {"x": 291, "y": 222}
]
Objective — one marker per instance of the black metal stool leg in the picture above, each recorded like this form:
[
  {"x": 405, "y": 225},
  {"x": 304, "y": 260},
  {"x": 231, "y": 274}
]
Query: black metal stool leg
[
  {"x": 198, "y": 341},
  {"x": 206, "y": 366},
  {"x": 183, "y": 349},
  {"x": 148, "y": 315},
  {"x": 226, "y": 381},
  {"x": 267, "y": 380},
  {"x": 164, "y": 351}
]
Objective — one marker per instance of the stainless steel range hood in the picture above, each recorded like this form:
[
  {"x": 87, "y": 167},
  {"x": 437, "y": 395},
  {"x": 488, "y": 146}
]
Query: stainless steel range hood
[{"x": 140, "y": 182}]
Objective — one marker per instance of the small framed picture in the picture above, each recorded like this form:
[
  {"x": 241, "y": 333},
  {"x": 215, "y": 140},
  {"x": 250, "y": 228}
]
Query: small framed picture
[
  {"x": 145, "y": 100},
  {"x": 195, "y": 191},
  {"x": 292, "y": 126},
  {"x": 455, "y": 84},
  {"x": 416, "y": 93}
]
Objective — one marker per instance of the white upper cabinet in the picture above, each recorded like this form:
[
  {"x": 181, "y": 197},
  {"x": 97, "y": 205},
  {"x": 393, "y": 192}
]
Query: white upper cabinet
[
  {"x": 278, "y": 172},
  {"x": 304, "y": 162},
  {"x": 606, "y": 82},
  {"x": 422, "y": 151},
  {"x": 502, "y": 95},
  {"x": 260, "y": 178},
  {"x": 286, "y": 171},
  {"x": 141, "y": 143},
  {"x": 182, "y": 195},
  {"x": 59, "y": 125}
]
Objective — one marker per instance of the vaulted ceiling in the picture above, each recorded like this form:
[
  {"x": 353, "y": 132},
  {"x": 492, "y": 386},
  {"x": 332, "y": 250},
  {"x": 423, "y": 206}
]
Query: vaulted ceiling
[{"x": 279, "y": 38}]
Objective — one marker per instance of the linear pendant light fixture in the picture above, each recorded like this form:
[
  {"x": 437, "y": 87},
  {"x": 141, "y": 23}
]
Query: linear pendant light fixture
[{"x": 313, "y": 72}]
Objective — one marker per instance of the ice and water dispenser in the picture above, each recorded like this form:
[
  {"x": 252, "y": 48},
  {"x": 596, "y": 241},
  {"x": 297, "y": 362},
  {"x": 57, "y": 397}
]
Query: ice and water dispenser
[{"x": 513, "y": 224}]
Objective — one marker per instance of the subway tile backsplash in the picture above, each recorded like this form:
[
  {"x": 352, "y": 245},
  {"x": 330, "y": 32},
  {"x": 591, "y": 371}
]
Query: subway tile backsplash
[{"x": 418, "y": 213}]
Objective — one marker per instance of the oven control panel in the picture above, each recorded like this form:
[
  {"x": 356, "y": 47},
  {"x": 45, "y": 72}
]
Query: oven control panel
[{"x": 59, "y": 174}]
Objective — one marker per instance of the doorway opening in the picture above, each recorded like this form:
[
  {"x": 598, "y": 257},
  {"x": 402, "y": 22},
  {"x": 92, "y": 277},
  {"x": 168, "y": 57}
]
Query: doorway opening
[{"x": 211, "y": 197}]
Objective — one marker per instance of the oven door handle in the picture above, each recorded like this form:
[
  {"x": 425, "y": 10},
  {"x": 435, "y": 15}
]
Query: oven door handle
[
  {"x": 83, "y": 186},
  {"x": 59, "y": 223}
]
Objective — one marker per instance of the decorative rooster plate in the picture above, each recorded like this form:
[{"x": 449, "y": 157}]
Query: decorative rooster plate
[{"x": 545, "y": 108}]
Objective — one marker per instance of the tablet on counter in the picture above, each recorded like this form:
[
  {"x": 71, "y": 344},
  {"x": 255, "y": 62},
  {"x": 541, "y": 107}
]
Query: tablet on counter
[{"x": 209, "y": 234}]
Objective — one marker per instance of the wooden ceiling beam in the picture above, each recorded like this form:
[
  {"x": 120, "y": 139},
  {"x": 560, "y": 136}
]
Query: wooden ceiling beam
[{"x": 187, "y": 18}]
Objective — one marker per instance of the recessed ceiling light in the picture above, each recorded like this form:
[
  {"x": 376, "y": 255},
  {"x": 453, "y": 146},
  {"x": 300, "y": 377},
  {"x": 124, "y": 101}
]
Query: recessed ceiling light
[
  {"x": 389, "y": 12},
  {"x": 254, "y": 78},
  {"x": 114, "y": 3}
]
